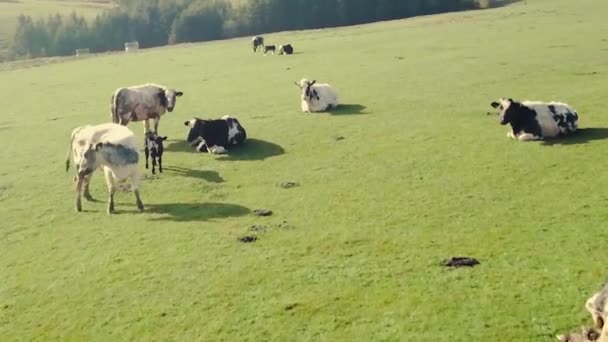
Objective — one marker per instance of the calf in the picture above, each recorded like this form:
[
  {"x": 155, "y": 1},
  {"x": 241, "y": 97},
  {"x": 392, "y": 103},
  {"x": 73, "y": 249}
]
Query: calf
[
  {"x": 257, "y": 42},
  {"x": 286, "y": 49},
  {"x": 153, "y": 147},
  {"x": 534, "y": 120},
  {"x": 142, "y": 103},
  {"x": 269, "y": 48},
  {"x": 316, "y": 97},
  {"x": 110, "y": 147},
  {"x": 215, "y": 136}
]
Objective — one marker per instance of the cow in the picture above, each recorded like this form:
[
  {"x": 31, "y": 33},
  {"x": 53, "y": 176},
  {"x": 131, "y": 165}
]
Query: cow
[
  {"x": 270, "y": 48},
  {"x": 257, "y": 42},
  {"x": 535, "y": 120},
  {"x": 286, "y": 49},
  {"x": 316, "y": 97},
  {"x": 215, "y": 136},
  {"x": 111, "y": 148},
  {"x": 142, "y": 103},
  {"x": 153, "y": 147}
]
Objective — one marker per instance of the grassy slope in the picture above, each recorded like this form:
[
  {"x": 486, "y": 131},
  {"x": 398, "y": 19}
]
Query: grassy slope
[
  {"x": 422, "y": 174},
  {"x": 10, "y": 10}
]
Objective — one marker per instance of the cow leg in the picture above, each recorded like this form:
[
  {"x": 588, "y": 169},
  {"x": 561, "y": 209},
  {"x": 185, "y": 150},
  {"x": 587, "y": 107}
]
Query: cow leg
[
  {"x": 156, "y": 121},
  {"x": 87, "y": 193},
  {"x": 527, "y": 137},
  {"x": 147, "y": 154},
  {"x": 79, "y": 181},
  {"x": 135, "y": 189},
  {"x": 146, "y": 126},
  {"x": 153, "y": 165},
  {"x": 511, "y": 135},
  {"x": 160, "y": 164},
  {"x": 217, "y": 149},
  {"x": 111, "y": 190}
]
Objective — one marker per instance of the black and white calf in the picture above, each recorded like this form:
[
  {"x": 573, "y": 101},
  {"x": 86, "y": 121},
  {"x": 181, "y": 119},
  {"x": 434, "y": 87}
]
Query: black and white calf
[
  {"x": 535, "y": 120},
  {"x": 153, "y": 147},
  {"x": 270, "y": 48},
  {"x": 286, "y": 49},
  {"x": 215, "y": 136},
  {"x": 257, "y": 42}
]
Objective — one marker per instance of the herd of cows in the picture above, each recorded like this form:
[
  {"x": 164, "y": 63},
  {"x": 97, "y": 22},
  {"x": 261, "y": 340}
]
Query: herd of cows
[{"x": 112, "y": 147}]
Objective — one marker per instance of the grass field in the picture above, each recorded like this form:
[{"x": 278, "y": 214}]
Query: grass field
[
  {"x": 11, "y": 9},
  {"x": 422, "y": 174}
]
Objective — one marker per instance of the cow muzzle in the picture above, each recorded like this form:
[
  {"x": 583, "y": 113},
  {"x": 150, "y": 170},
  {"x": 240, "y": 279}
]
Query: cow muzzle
[{"x": 170, "y": 109}]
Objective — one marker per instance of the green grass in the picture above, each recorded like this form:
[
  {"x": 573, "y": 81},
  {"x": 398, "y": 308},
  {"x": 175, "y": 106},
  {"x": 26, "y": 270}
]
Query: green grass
[
  {"x": 11, "y": 9},
  {"x": 422, "y": 174}
]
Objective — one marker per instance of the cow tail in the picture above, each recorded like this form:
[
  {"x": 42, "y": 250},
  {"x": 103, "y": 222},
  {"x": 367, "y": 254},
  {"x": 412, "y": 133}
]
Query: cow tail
[
  {"x": 67, "y": 158},
  {"x": 114, "y": 107}
]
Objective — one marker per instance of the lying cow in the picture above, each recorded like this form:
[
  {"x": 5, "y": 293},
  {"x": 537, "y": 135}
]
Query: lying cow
[
  {"x": 257, "y": 42},
  {"x": 142, "y": 103},
  {"x": 286, "y": 49},
  {"x": 153, "y": 147},
  {"x": 215, "y": 136},
  {"x": 534, "y": 120},
  {"x": 111, "y": 148},
  {"x": 316, "y": 97}
]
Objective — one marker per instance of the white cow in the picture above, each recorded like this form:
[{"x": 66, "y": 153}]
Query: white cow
[
  {"x": 316, "y": 97},
  {"x": 110, "y": 147},
  {"x": 142, "y": 103}
]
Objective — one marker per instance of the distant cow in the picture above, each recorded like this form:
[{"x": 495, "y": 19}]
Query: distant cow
[
  {"x": 142, "y": 103},
  {"x": 535, "y": 120},
  {"x": 316, "y": 97},
  {"x": 257, "y": 42},
  {"x": 270, "y": 48},
  {"x": 286, "y": 49},
  {"x": 153, "y": 147},
  {"x": 215, "y": 136},
  {"x": 111, "y": 148}
]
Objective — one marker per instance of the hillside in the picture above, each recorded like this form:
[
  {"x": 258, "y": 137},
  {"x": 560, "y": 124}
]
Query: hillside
[{"x": 420, "y": 174}]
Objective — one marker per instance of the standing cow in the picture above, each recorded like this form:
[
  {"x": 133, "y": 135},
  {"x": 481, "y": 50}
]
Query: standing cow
[
  {"x": 142, "y": 103},
  {"x": 257, "y": 42},
  {"x": 215, "y": 136},
  {"x": 535, "y": 120},
  {"x": 110, "y": 147}
]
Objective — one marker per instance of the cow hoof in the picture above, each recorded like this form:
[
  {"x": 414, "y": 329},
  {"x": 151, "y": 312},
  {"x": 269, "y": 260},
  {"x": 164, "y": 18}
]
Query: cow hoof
[
  {"x": 88, "y": 197},
  {"x": 111, "y": 211},
  {"x": 78, "y": 205},
  {"x": 140, "y": 206}
]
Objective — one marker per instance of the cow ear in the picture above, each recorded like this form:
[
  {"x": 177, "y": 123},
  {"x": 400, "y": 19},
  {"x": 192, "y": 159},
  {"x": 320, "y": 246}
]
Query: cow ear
[
  {"x": 179, "y": 93},
  {"x": 494, "y": 104},
  {"x": 510, "y": 100},
  {"x": 98, "y": 146},
  {"x": 163, "y": 138},
  {"x": 313, "y": 82},
  {"x": 187, "y": 123}
]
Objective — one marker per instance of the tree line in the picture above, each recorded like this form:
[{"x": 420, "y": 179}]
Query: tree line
[{"x": 161, "y": 22}]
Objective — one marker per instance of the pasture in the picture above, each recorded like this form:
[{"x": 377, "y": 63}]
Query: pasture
[
  {"x": 353, "y": 252},
  {"x": 11, "y": 9}
]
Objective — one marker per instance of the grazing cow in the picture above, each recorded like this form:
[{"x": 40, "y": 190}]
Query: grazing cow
[
  {"x": 286, "y": 49},
  {"x": 534, "y": 120},
  {"x": 316, "y": 97},
  {"x": 215, "y": 136},
  {"x": 153, "y": 147},
  {"x": 269, "y": 48},
  {"x": 142, "y": 103},
  {"x": 257, "y": 42},
  {"x": 110, "y": 147}
]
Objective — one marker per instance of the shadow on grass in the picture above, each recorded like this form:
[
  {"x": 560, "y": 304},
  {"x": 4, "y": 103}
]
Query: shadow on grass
[
  {"x": 348, "y": 109},
  {"x": 581, "y": 136},
  {"x": 178, "y": 146},
  {"x": 253, "y": 149},
  {"x": 209, "y": 176},
  {"x": 189, "y": 212}
]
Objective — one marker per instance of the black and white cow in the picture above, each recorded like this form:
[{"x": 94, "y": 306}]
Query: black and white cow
[
  {"x": 256, "y": 42},
  {"x": 286, "y": 49},
  {"x": 215, "y": 136},
  {"x": 535, "y": 120},
  {"x": 153, "y": 147},
  {"x": 110, "y": 147},
  {"x": 270, "y": 48},
  {"x": 142, "y": 103}
]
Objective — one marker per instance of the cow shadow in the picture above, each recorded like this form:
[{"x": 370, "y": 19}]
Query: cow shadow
[
  {"x": 209, "y": 176},
  {"x": 253, "y": 149},
  {"x": 581, "y": 136},
  {"x": 178, "y": 146},
  {"x": 190, "y": 212},
  {"x": 348, "y": 109}
]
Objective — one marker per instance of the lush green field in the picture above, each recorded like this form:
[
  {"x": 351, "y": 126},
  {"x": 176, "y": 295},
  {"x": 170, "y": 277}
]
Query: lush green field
[
  {"x": 11, "y": 9},
  {"x": 422, "y": 174}
]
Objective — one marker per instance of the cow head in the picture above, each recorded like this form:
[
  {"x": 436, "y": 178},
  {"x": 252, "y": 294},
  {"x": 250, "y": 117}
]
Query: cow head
[
  {"x": 88, "y": 161},
  {"x": 507, "y": 110},
  {"x": 195, "y": 127},
  {"x": 168, "y": 97},
  {"x": 308, "y": 91},
  {"x": 586, "y": 335}
]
